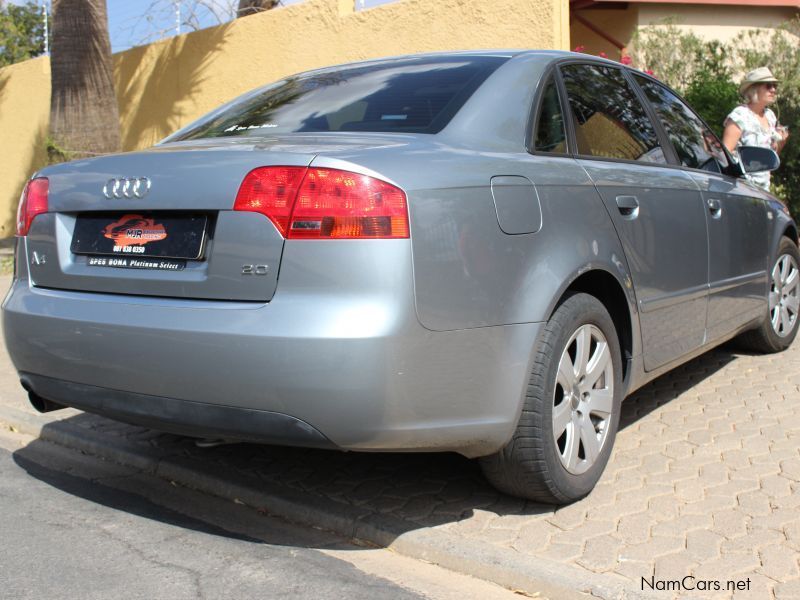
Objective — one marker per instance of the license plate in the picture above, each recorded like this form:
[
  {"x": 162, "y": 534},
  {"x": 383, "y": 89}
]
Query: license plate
[{"x": 140, "y": 235}]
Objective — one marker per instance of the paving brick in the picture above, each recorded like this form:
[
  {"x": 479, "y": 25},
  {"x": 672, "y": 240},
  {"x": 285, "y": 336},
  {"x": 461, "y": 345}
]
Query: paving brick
[
  {"x": 778, "y": 519},
  {"x": 629, "y": 479},
  {"x": 789, "y": 590},
  {"x": 753, "y": 541},
  {"x": 673, "y": 566},
  {"x": 700, "y": 437},
  {"x": 683, "y": 525},
  {"x": 714, "y": 474},
  {"x": 623, "y": 504},
  {"x": 792, "y": 533},
  {"x": 634, "y": 570},
  {"x": 501, "y": 537},
  {"x": 776, "y": 486},
  {"x": 703, "y": 545},
  {"x": 755, "y": 503},
  {"x": 584, "y": 532},
  {"x": 729, "y": 566},
  {"x": 634, "y": 529},
  {"x": 654, "y": 547},
  {"x": 707, "y": 505},
  {"x": 733, "y": 488},
  {"x": 534, "y": 537},
  {"x": 779, "y": 563},
  {"x": 736, "y": 459},
  {"x": 756, "y": 470},
  {"x": 561, "y": 552},
  {"x": 791, "y": 469},
  {"x": 690, "y": 490},
  {"x": 569, "y": 517},
  {"x": 601, "y": 553}
]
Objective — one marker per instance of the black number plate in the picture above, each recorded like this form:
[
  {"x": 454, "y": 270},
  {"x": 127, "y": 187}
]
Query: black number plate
[{"x": 140, "y": 235}]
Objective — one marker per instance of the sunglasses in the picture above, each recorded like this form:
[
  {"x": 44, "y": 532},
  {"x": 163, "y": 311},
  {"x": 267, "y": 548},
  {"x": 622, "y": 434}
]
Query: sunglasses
[{"x": 772, "y": 86}]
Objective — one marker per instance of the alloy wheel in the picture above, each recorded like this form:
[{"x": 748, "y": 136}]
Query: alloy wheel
[
  {"x": 784, "y": 295},
  {"x": 583, "y": 399}
]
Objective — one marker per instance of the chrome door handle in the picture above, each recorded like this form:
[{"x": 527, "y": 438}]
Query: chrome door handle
[
  {"x": 714, "y": 207},
  {"x": 628, "y": 206}
]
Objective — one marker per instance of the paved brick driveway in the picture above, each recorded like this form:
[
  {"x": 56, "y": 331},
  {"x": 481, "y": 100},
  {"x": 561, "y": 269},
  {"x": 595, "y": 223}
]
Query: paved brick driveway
[{"x": 704, "y": 480}]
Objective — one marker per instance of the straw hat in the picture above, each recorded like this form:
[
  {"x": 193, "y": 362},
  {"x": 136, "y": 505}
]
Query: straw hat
[{"x": 759, "y": 75}]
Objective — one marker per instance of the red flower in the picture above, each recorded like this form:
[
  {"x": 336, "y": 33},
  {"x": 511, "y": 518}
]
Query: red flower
[
  {"x": 603, "y": 55},
  {"x": 579, "y": 48},
  {"x": 649, "y": 72},
  {"x": 626, "y": 60}
]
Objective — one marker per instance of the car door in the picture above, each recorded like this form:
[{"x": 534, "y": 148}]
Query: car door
[
  {"x": 658, "y": 211},
  {"x": 735, "y": 215}
]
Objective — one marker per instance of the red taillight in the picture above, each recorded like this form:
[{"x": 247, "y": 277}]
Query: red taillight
[
  {"x": 32, "y": 203},
  {"x": 318, "y": 203},
  {"x": 270, "y": 191}
]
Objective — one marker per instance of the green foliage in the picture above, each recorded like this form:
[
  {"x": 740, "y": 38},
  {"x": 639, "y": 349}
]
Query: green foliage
[
  {"x": 707, "y": 74},
  {"x": 669, "y": 52},
  {"x": 711, "y": 91},
  {"x": 55, "y": 153},
  {"x": 780, "y": 50},
  {"x": 21, "y": 33}
]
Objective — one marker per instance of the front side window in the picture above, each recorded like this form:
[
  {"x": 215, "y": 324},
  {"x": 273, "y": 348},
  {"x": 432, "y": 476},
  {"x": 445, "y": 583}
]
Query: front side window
[
  {"x": 610, "y": 121},
  {"x": 696, "y": 145},
  {"x": 550, "y": 135},
  {"x": 414, "y": 95}
]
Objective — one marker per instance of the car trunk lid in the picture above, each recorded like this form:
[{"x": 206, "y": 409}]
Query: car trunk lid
[{"x": 158, "y": 223}]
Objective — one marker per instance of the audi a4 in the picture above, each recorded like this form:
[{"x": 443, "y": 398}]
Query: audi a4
[{"x": 474, "y": 252}]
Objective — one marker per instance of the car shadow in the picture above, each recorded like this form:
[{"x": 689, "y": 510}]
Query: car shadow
[{"x": 413, "y": 491}]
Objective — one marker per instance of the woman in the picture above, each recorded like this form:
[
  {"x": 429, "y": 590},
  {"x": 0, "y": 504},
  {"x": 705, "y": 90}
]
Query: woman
[{"x": 752, "y": 123}]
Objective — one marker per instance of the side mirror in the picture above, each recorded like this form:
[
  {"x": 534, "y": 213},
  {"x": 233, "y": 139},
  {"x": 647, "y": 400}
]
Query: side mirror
[{"x": 754, "y": 159}]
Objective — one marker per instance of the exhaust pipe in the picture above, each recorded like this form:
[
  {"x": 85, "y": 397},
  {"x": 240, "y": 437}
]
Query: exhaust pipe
[{"x": 42, "y": 405}]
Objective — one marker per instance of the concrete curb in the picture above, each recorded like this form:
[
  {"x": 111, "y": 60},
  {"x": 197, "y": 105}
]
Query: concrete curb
[{"x": 505, "y": 567}]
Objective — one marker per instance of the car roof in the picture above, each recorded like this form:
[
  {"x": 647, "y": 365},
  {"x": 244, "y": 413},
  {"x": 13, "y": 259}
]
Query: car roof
[{"x": 545, "y": 55}]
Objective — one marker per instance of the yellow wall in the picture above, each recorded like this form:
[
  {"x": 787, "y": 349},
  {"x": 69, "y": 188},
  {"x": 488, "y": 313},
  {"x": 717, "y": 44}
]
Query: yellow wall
[
  {"x": 716, "y": 22},
  {"x": 709, "y": 22},
  {"x": 24, "y": 118},
  {"x": 619, "y": 23},
  {"x": 165, "y": 85}
]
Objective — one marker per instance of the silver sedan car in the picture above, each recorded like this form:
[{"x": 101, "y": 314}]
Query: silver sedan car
[{"x": 476, "y": 252}]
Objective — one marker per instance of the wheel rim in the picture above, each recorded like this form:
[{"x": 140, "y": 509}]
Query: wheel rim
[
  {"x": 583, "y": 399},
  {"x": 784, "y": 295}
]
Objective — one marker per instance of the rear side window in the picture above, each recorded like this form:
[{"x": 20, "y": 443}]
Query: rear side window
[
  {"x": 696, "y": 145},
  {"x": 550, "y": 135},
  {"x": 610, "y": 121},
  {"x": 416, "y": 95}
]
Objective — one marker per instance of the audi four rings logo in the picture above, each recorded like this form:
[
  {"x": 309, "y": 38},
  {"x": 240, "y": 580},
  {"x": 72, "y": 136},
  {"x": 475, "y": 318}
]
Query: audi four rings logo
[{"x": 126, "y": 187}]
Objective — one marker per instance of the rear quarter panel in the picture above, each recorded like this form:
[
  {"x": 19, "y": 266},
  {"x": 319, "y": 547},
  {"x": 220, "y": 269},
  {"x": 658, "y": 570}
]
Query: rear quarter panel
[{"x": 469, "y": 273}]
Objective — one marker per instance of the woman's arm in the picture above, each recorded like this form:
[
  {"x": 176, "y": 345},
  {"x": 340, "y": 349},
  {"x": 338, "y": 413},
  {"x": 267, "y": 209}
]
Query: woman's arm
[
  {"x": 785, "y": 133},
  {"x": 731, "y": 135}
]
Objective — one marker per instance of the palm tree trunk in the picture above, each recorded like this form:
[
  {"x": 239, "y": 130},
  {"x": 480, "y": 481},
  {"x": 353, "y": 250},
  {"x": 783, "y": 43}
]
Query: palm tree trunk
[{"x": 84, "y": 116}]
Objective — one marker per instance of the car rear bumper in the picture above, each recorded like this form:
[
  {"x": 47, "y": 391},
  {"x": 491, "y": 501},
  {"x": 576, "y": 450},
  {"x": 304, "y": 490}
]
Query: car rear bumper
[
  {"x": 353, "y": 373},
  {"x": 179, "y": 416}
]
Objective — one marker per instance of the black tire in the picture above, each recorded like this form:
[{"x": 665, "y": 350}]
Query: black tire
[
  {"x": 766, "y": 339},
  {"x": 530, "y": 465}
]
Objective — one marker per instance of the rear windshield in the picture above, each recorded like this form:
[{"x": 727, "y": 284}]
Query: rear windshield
[{"x": 408, "y": 95}]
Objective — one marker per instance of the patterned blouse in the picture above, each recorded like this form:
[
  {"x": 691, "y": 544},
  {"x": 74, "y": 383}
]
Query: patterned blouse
[{"x": 754, "y": 134}]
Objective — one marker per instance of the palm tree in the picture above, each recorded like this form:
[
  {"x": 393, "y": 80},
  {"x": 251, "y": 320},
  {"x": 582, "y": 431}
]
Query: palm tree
[{"x": 84, "y": 116}]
